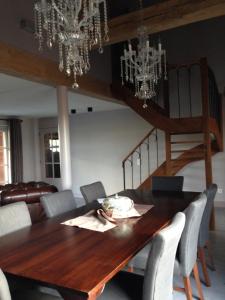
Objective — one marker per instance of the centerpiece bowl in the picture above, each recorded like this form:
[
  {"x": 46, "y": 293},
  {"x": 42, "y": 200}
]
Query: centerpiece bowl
[{"x": 117, "y": 206}]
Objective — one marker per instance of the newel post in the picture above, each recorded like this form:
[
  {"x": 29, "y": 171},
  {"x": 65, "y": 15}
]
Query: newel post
[{"x": 206, "y": 127}]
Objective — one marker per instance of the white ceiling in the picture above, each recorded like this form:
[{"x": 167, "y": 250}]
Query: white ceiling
[{"x": 19, "y": 97}]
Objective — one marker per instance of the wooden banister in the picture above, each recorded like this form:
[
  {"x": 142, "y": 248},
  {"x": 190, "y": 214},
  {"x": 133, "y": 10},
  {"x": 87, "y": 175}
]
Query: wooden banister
[
  {"x": 180, "y": 66},
  {"x": 206, "y": 117}
]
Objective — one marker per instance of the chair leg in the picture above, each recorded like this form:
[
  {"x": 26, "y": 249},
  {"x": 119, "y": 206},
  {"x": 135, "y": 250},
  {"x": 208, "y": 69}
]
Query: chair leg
[
  {"x": 130, "y": 269},
  {"x": 198, "y": 282},
  {"x": 201, "y": 255},
  {"x": 187, "y": 287},
  {"x": 209, "y": 248}
]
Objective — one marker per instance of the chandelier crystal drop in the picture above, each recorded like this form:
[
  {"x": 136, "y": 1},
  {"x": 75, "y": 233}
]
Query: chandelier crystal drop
[
  {"x": 143, "y": 67},
  {"x": 76, "y": 26}
]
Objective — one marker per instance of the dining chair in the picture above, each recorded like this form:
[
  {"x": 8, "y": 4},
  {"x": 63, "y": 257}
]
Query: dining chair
[
  {"x": 186, "y": 259},
  {"x": 203, "y": 239},
  {"x": 13, "y": 217},
  {"x": 159, "y": 183},
  {"x": 58, "y": 203},
  {"x": 21, "y": 294},
  {"x": 157, "y": 282},
  {"x": 167, "y": 183},
  {"x": 93, "y": 191}
]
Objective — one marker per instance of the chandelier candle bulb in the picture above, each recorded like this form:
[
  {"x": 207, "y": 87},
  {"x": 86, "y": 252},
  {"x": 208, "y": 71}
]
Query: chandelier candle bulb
[
  {"x": 160, "y": 46},
  {"x": 129, "y": 46}
]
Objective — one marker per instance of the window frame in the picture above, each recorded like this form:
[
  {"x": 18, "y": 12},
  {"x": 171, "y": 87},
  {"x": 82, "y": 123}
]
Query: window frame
[
  {"x": 52, "y": 162},
  {"x": 4, "y": 127}
]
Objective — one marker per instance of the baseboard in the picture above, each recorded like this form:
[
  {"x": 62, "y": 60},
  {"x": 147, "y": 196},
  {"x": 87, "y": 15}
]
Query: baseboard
[{"x": 219, "y": 203}]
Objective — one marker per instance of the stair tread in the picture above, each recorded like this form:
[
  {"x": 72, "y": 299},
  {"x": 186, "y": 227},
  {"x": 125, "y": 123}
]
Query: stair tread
[
  {"x": 184, "y": 150},
  {"x": 186, "y": 142},
  {"x": 185, "y": 159}
]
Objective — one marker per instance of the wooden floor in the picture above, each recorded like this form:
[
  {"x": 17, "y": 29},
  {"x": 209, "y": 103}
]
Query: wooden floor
[{"x": 215, "y": 292}]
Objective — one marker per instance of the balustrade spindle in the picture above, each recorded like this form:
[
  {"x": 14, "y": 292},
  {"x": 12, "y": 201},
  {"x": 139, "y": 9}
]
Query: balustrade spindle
[{"x": 189, "y": 90}]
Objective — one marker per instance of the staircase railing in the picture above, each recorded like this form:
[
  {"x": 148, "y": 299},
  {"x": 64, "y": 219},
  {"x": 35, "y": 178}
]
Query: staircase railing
[
  {"x": 142, "y": 160},
  {"x": 185, "y": 91},
  {"x": 215, "y": 108}
]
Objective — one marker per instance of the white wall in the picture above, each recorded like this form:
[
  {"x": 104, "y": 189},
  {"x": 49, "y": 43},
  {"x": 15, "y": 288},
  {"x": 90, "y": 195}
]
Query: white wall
[
  {"x": 29, "y": 151},
  {"x": 99, "y": 142}
]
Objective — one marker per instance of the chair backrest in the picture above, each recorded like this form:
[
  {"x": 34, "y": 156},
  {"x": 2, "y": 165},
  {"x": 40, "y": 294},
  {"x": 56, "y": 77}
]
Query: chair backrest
[
  {"x": 58, "y": 203},
  {"x": 158, "y": 280},
  {"x": 187, "y": 254},
  {"x": 204, "y": 227},
  {"x": 93, "y": 191},
  {"x": 13, "y": 217},
  {"x": 4, "y": 287},
  {"x": 167, "y": 183}
]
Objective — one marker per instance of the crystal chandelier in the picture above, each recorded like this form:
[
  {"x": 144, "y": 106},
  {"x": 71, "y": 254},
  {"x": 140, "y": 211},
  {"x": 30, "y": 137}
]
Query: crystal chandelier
[
  {"x": 143, "y": 67},
  {"x": 76, "y": 25}
]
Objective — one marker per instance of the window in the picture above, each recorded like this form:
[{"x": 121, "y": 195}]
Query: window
[
  {"x": 52, "y": 159},
  {"x": 5, "y": 174}
]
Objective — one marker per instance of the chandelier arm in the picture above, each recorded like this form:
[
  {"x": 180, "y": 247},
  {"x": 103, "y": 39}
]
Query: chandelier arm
[
  {"x": 79, "y": 5},
  {"x": 60, "y": 13},
  {"x": 78, "y": 8},
  {"x": 85, "y": 20},
  {"x": 133, "y": 65}
]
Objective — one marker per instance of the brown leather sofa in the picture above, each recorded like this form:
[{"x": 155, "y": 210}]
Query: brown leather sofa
[{"x": 30, "y": 193}]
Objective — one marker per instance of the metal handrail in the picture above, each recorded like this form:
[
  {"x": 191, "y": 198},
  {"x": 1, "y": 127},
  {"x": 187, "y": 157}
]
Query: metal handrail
[
  {"x": 138, "y": 149},
  {"x": 140, "y": 143}
]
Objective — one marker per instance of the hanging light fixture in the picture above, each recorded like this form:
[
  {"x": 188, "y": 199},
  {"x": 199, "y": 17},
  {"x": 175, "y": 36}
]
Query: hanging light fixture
[
  {"x": 143, "y": 67},
  {"x": 76, "y": 25}
]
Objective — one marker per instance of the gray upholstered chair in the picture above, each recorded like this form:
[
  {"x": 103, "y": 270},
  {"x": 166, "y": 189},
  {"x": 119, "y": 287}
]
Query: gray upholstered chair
[
  {"x": 186, "y": 260},
  {"x": 158, "y": 278},
  {"x": 93, "y": 191},
  {"x": 203, "y": 239},
  {"x": 21, "y": 294},
  {"x": 13, "y": 217},
  {"x": 4, "y": 288},
  {"x": 167, "y": 183},
  {"x": 159, "y": 183},
  {"x": 58, "y": 203}
]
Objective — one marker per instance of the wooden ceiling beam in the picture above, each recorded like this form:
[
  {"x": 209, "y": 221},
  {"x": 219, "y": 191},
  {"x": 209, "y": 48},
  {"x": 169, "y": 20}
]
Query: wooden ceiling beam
[
  {"x": 164, "y": 16},
  {"x": 32, "y": 67}
]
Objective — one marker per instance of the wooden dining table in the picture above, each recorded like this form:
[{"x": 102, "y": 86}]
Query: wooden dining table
[{"x": 79, "y": 262}]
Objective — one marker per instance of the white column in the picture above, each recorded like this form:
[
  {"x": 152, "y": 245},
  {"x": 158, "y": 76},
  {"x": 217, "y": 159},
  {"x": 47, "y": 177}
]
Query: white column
[
  {"x": 64, "y": 137},
  {"x": 37, "y": 150}
]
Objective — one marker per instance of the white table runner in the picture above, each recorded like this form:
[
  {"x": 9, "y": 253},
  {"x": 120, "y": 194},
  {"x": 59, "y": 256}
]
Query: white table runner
[{"x": 92, "y": 222}]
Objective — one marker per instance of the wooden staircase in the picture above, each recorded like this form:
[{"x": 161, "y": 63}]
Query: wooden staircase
[{"x": 181, "y": 145}]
